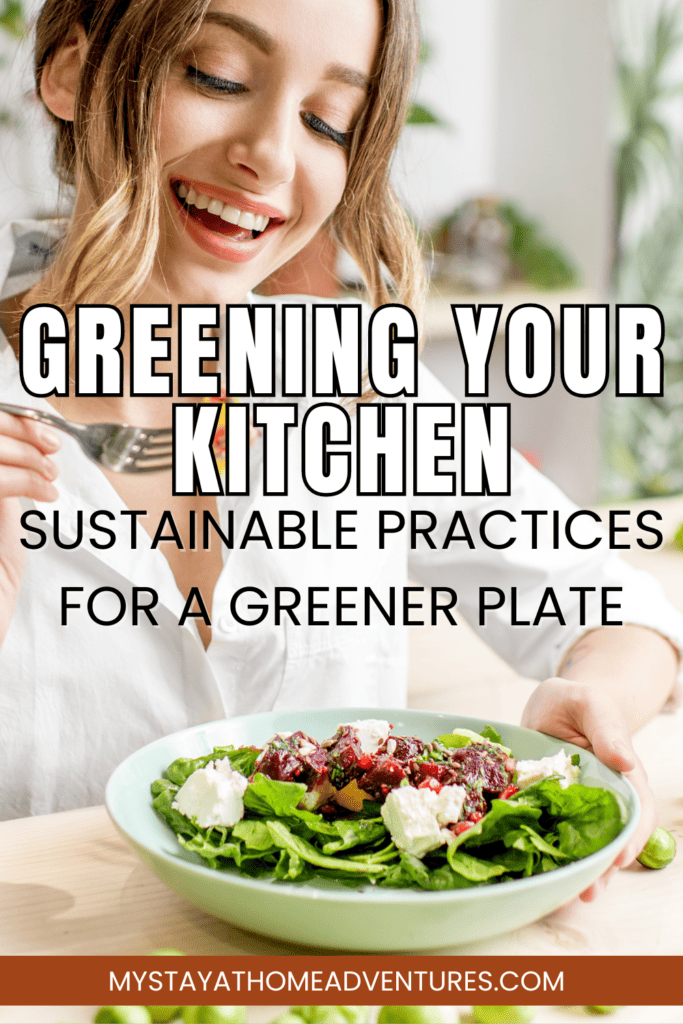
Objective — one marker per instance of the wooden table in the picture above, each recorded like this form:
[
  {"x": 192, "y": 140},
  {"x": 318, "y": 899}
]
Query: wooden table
[{"x": 70, "y": 885}]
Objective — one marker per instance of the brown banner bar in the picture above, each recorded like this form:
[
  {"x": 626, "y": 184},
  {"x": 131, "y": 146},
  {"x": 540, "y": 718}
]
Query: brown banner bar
[{"x": 374, "y": 980}]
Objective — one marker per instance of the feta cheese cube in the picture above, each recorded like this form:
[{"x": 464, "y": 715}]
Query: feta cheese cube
[
  {"x": 560, "y": 764},
  {"x": 371, "y": 733},
  {"x": 410, "y": 816},
  {"x": 212, "y": 795},
  {"x": 416, "y": 818},
  {"x": 450, "y": 804}
]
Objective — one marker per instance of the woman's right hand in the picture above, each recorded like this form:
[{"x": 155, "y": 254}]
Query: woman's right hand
[{"x": 27, "y": 471}]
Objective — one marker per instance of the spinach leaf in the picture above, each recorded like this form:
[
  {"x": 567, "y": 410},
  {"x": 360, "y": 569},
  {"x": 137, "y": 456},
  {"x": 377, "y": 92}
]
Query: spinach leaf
[
  {"x": 351, "y": 832},
  {"x": 494, "y": 826},
  {"x": 268, "y": 797},
  {"x": 490, "y": 734},
  {"x": 241, "y": 760},
  {"x": 285, "y": 838},
  {"x": 473, "y": 868},
  {"x": 585, "y": 818}
]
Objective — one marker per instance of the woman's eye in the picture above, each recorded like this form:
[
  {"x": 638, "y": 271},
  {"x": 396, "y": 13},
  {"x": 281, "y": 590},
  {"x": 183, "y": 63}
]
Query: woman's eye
[
  {"x": 204, "y": 81},
  {"x": 341, "y": 138}
]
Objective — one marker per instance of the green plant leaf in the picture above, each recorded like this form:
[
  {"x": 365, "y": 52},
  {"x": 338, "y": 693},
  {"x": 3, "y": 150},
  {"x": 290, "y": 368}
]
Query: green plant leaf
[
  {"x": 421, "y": 115},
  {"x": 12, "y": 19}
]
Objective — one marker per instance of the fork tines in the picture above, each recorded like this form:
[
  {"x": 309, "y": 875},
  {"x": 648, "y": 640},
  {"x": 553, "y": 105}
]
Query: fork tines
[{"x": 154, "y": 451}]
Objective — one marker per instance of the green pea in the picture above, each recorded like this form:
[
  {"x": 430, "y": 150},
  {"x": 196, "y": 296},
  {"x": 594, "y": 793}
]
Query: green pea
[
  {"x": 163, "y": 1014},
  {"x": 122, "y": 1015},
  {"x": 601, "y": 1009},
  {"x": 409, "y": 1015},
  {"x": 678, "y": 537},
  {"x": 188, "y": 1014},
  {"x": 320, "y": 1014},
  {"x": 659, "y": 850},
  {"x": 503, "y": 1014},
  {"x": 354, "y": 1014},
  {"x": 221, "y": 1015}
]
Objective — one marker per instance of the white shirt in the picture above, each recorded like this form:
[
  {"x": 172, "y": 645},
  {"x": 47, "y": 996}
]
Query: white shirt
[{"x": 76, "y": 699}]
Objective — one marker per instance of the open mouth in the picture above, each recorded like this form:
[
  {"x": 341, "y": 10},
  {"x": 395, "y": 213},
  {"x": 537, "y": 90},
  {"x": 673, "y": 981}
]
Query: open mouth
[{"x": 220, "y": 217}]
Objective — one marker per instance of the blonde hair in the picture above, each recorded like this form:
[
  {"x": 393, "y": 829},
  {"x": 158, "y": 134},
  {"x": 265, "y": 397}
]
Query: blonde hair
[{"x": 131, "y": 48}]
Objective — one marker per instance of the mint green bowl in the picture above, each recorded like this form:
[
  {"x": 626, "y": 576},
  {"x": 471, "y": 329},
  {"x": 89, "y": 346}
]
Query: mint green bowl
[{"x": 327, "y": 913}]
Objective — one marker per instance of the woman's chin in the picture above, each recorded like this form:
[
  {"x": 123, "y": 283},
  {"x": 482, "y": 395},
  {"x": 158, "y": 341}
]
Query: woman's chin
[{"x": 192, "y": 276}]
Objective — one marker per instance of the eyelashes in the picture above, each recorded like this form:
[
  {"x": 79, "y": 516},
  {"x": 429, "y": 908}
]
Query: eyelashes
[
  {"x": 205, "y": 81},
  {"x": 341, "y": 138},
  {"x": 225, "y": 87}
]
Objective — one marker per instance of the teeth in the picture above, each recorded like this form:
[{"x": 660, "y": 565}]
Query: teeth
[
  {"x": 247, "y": 220},
  {"x": 231, "y": 214}
]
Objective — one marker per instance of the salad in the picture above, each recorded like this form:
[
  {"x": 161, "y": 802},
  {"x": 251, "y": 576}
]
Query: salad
[{"x": 366, "y": 805}]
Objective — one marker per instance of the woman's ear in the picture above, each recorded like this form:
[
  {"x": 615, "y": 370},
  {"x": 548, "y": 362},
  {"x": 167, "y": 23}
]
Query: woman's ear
[{"x": 59, "y": 79}]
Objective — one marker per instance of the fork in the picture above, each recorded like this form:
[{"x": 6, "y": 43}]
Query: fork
[{"x": 115, "y": 446}]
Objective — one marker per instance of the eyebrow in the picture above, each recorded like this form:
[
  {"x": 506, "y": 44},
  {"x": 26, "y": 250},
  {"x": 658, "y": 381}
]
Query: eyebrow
[
  {"x": 263, "y": 41},
  {"x": 348, "y": 76},
  {"x": 247, "y": 29}
]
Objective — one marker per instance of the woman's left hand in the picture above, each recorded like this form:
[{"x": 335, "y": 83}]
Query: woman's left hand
[{"x": 584, "y": 715}]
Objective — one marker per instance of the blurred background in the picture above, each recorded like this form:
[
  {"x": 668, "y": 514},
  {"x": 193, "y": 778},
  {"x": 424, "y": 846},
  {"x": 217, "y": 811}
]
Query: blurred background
[{"x": 542, "y": 163}]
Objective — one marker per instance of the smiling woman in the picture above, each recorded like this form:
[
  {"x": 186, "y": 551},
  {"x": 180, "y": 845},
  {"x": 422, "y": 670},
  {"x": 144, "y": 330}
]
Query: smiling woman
[
  {"x": 275, "y": 108},
  {"x": 284, "y": 112},
  {"x": 207, "y": 142}
]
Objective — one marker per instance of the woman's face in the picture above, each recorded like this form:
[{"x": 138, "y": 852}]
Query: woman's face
[{"x": 253, "y": 137}]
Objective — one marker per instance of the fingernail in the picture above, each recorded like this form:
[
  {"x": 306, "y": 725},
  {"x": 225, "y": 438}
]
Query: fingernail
[
  {"x": 50, "y": 471},
  {"x": 594, "y": 890},
  {"x": 50, "y": 440},
  {"x": 621, "y": 751}
]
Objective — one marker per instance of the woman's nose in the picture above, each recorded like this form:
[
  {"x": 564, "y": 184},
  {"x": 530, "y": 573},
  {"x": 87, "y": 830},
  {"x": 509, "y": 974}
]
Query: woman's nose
[{"x": 264, "y": 147}]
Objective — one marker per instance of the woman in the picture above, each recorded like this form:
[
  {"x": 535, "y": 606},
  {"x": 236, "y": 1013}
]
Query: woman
[{"x": 208, "y": 142}]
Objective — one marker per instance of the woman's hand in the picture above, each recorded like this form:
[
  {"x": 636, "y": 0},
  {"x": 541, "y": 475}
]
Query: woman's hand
[
  {"x": 25, "y": 471},
  {"x": 582, "y": 714}
]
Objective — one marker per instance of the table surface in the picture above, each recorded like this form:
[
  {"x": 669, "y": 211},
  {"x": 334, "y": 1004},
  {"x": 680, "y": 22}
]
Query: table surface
[{"x": 70, "y": 885}]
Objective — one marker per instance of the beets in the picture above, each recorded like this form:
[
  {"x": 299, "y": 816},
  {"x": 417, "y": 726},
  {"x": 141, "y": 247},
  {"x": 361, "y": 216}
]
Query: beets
[
  {"x": 482, "y": 766},
  {"x": 483, "y": 769},
  {"x": 295, "y": 758},
  {"x": 345, "y": 758},
  {"x": 385, "y": 774}
]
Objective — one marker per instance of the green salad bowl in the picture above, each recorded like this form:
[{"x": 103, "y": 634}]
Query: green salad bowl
[{"x": 327, "y": 913}]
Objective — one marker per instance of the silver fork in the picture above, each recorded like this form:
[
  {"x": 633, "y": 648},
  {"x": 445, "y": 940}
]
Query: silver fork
[{"x": 116, "y": 446}]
